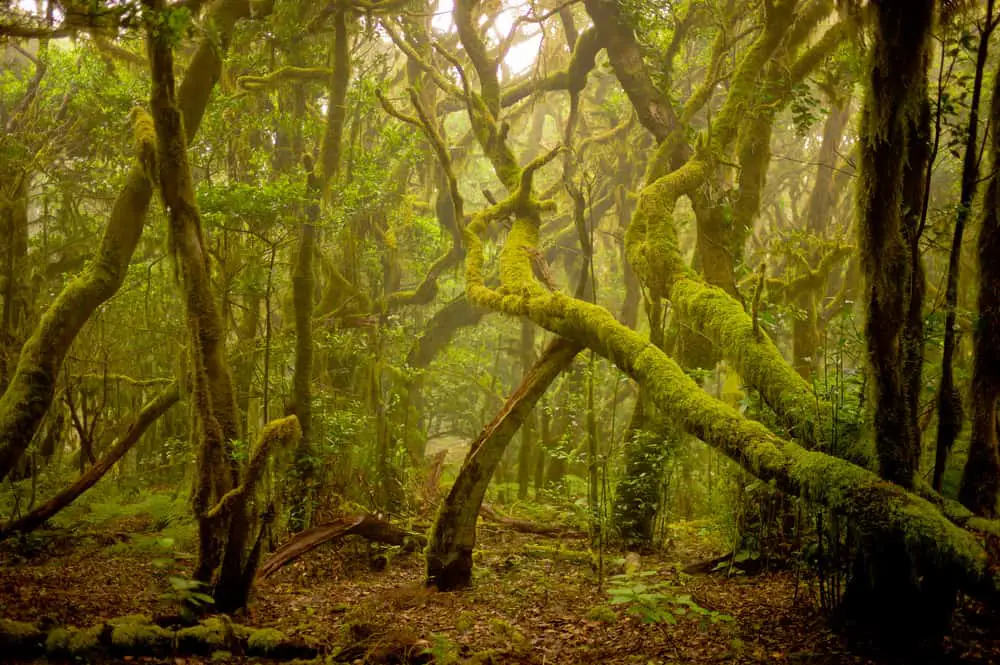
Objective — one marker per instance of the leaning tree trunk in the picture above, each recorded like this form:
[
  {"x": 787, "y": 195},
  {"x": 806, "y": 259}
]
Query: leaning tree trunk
[
  {"x": 147, "y": 416},
  {"x": 32, "y": 387},
  {"x": 449, "y": 552},
  {"x": 981, "y": 478}
]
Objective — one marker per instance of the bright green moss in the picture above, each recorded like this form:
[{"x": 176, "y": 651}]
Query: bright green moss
[
  {"x": 18, "y": 634},
  {"x": 140, "y": 636},
  {"x": 265, "y": 641},
  {"x": 75, "y": 642}
]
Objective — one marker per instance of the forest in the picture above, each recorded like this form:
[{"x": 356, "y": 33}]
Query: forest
[{"x": 499, "y": 331}]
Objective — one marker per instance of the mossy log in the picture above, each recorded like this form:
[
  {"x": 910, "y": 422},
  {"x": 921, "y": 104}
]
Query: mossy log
[
  {"x": 449, "y": 553},
  {"x": 138, "y": 635},
  {"x": 487, "y": 511}
]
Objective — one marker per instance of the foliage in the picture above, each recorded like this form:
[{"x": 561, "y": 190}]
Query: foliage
[{"x": 656, "y": 602}]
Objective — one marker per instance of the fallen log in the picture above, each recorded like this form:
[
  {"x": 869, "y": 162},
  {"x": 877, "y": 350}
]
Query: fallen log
[
  {"x": 366, "y": 526},
  {"x": 525, "y": 526},
  {"x": 137, "y": 635}
]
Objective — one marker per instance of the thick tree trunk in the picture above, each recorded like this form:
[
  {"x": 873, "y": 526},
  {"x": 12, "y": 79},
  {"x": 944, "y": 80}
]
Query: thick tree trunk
[
  {"x": 449, "y": 553},
  {"x": 149, "y": 414},
  {"x": 32, "y": 387},
  {"x": 890, "y": 128}
]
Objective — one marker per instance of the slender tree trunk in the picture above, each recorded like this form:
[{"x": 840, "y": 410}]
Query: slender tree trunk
[
  {"x": 981, "y": 478},
  {"x": 525, "y": 454},
  {"x": 449, "y": 552},
  {"x": 949, "y": 400},
  {"x": 895, "y": 102},
  {"x": 223, "y": 533}
]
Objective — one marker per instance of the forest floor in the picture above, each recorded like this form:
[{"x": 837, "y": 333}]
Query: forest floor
[{"x": 535, "y": 600}]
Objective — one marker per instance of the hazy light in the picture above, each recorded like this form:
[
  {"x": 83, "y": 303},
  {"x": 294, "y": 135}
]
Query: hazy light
[{"x": 521, "y": 57}]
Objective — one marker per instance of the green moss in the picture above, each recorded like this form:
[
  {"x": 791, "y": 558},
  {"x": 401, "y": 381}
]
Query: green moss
[
  {"x": 74, "y": 642},
  {"x": 264, "y": 641},
  {"x": 18, "y": 634},
  {"x": 135, "y": 636},
  {"x": 602, "y": 613},
  {"x": 208, "y": 636}
]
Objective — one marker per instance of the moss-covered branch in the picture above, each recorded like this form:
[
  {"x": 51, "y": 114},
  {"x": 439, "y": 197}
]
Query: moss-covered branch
[
  {"x": 146, "y": 417},
  {"x": 283, "y": 433},
  {"x": 32, "y": 387},
  {"x": 283, "y": 75}
]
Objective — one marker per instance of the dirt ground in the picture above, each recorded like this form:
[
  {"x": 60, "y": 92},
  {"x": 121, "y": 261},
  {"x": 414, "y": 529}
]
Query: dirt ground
[{"x": 535, "y": 600}]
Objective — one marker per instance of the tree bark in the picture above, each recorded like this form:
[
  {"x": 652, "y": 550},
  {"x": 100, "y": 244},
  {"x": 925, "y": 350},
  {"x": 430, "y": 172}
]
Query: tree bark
[
  {"x": 449, "y": 552},
  {"x": 32, "y": 388},
  {"x": 894, "y": 102},
  {"x": 949, "y": 401},
  {"x": 981, "y": 478}
]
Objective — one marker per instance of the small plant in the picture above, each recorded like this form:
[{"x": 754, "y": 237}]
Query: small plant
[
  {"x": 656, "y": 602},
  {"x": 189, "y": 594},
  {"x": 442, "y": 649}
]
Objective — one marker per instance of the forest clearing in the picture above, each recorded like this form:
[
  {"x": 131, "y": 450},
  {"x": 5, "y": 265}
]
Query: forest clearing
[{"x": 527, "y": 331}]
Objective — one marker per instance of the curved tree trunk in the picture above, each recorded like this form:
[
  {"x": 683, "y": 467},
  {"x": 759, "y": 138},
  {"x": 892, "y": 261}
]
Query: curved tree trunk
[
  {"x": 881, "y": 512},
  {"x": 449, "y": 552},
  {"x": 32, "y": 386}
]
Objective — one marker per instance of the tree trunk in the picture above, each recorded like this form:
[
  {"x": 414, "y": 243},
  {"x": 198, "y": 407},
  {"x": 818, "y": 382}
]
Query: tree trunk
[
  {"x": 220, "y": 499},
  {"x": 949, "y": 401},
  {"x": 894, "y": 103},
  {"x": 449, "y": 553},
  {"x": 981, "y": 478},
  {"x": 32, "y": 387},
  {"x": 525, "y": 454}
]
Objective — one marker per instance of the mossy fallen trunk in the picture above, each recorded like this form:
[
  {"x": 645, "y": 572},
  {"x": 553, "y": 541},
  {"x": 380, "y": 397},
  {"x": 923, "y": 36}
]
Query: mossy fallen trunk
[
  {"x": 138, "y": 636},
  {"x": 449, "y": 553}
]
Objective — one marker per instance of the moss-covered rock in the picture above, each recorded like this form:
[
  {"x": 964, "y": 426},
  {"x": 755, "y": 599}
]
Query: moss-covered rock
[
  {"x": 208, "y": 636},
  {"x": 18, "y": 636},
  {"x": 265, "y": 641},
  {"x": 137, "y": 634},
  {"x": 74, "y": 642}
]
